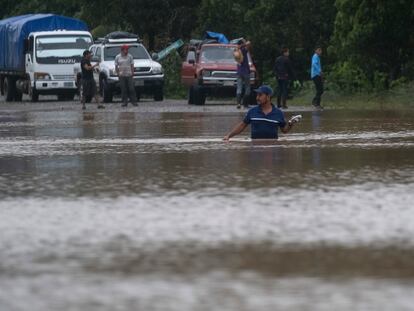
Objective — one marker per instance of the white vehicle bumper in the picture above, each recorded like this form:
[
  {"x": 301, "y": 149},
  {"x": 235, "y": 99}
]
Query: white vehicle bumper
[{"x": 51, "y": 84}]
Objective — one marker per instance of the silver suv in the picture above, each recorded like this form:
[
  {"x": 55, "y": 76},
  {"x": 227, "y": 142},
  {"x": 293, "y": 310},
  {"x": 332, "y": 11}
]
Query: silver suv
[{"x": 148, "y": 74}]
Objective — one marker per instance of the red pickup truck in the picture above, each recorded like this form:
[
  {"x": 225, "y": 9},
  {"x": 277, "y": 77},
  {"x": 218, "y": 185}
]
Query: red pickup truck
[{"x": 210, "y": 69}]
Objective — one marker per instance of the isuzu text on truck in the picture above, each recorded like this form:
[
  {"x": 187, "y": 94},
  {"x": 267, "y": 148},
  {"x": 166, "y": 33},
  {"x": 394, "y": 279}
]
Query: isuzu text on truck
[{"x": 37, "y": 55}]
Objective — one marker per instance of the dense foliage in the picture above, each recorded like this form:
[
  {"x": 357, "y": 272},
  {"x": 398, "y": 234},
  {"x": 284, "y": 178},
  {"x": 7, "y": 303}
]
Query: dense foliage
[
  {"x": 368, "y": 44},
  {"x": 373, "y": 43}
]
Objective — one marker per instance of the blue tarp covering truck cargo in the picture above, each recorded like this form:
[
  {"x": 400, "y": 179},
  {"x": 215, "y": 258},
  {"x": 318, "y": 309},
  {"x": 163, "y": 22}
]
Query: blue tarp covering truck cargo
[
  {"x": 14, "y": 30},
  {"x": 217, "y": 36}
]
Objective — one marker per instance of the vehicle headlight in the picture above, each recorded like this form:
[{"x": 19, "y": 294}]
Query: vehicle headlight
[
  {"x": 42, "y": 76},
  {"x": 112, "y": 72},
  {"x": 206, "y": 73},
  {"x": 157, "y": 70}
]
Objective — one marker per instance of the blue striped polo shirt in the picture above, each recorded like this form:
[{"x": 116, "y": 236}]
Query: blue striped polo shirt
[{"x": 264, "y": 125}]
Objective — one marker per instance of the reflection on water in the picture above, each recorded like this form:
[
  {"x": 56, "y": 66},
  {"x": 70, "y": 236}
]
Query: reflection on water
[{"x": 123, "y": 210}]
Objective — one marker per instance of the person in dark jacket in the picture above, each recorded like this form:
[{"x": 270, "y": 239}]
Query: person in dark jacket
[
  {"x": 284, "y": 73},
  {"x": 88, "y": 82}
]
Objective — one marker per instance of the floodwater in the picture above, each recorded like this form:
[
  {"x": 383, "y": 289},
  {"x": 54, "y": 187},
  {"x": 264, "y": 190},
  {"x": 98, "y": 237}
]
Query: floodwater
[{"x": 148, "y": 209}]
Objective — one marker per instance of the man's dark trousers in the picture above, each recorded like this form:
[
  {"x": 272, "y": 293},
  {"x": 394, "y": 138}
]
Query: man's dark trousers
[
  {"x": 319, "y": 90},
  {"x": 127, "y": 90}
]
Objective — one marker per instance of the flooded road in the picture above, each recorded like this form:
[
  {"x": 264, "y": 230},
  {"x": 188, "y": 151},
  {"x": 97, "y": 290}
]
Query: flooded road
[{"x": 148, "y": 209}]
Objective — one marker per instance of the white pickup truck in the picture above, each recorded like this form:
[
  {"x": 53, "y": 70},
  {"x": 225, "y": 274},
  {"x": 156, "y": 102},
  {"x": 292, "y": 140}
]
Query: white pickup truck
[{"x": 148, "y": 74}]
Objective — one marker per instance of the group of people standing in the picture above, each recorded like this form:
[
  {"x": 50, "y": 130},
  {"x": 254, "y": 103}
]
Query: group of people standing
[
  {"x": 124, "y": 67},
  {"x": 283, "y": 71},
  {"x": 265, "y": 119}
]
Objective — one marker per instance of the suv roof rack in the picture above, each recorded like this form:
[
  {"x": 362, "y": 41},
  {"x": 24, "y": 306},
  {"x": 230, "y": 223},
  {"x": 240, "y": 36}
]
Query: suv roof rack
[
  {"x": 119, "y": 37},
  {"x": 196, "y": 43}
]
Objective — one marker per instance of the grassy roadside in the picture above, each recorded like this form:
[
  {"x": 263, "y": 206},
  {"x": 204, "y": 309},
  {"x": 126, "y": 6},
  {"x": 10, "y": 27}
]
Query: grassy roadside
[{"x": 401, "y": 97}]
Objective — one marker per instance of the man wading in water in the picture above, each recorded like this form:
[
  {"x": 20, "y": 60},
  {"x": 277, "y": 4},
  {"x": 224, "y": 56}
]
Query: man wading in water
[{"x": 264, "y": 118}]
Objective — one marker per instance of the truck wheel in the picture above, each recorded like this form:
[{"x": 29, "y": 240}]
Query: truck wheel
[
  {"x": 105, "y": 90},
  {"x": 159, "y": 94},
  {"x": 34, "y": 95},
  {"x": 199, "y": 96},
  {"x": 18, "y": 96},
  {"x": 190, "y": 96},
  {"x": 9, "y": 89},
  {"x": 137, "y": 94},
  {"x": 64, "y": 97},
  {"x": 1, "y": 85}
]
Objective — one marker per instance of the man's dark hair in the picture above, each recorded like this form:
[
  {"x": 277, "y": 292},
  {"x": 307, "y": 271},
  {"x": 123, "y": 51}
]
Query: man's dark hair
[
  {"x": 317, "y": 47},
  {"x": 86, "y": 52},
  {"x": 284, "y": 49}
]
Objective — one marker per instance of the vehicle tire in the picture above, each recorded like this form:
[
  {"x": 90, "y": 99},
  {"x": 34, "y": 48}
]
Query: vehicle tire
[
  {"x": 70, "y": 96},
  {"x": 1, "y": 85},
  {"x": 18, "y": 96},
  {"x": 159, "y": 94},
  {"x": 190, "y": 96},
  {"x": 9, "y": 89},
  {"x": 199, "y": 96},
  {"x": 66, "y": 97},
  {"x": 105, "y": 90},
  {"x": 34, "y": 97},
  {"x": 137, "y": 94},
  {"x": 33, "y": 94}
]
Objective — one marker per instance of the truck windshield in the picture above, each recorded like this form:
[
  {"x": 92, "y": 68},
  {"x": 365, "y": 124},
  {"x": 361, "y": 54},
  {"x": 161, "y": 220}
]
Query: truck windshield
[
  {"x": 66, "y": 49},
  {"x": 217, "y": 54},
  {"x": 137, "y": 52}
]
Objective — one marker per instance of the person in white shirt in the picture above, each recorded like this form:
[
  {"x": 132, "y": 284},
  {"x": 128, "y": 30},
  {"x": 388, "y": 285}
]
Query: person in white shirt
[{"x": 124, "y": 66}]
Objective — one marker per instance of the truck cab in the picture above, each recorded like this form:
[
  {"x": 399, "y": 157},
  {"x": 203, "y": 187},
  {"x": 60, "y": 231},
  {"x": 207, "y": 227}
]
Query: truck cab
[
  {"x": 49, "y": 60},
  {"x": 37, "y": 55}
]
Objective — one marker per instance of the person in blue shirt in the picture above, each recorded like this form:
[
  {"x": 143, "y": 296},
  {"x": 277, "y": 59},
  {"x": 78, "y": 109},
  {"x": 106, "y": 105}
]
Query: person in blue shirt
[
  {"x": 264, "y": 119},
  {"x": 316, "y": 76}
]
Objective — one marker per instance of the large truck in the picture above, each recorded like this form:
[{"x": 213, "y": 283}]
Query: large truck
[{"x": 37, "y": 55}]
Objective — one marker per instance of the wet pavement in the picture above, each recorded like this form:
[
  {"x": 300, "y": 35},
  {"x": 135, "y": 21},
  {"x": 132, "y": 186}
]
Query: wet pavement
[{"x": 148, "y": 209}]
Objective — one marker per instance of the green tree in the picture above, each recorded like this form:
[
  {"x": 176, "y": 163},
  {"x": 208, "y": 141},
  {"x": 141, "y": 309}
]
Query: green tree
[
  {"x": 6, "y": 8},
  {"x": 374, "y": 38},
  {"x": 156, "y": 21},
  {"x": 61, "y": 7},
  {"x": 228, "y": 17},
  {"x": 272, "y": 24}
]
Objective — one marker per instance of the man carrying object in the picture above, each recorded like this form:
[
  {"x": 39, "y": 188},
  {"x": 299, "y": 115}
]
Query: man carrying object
[{"x": 265, "y": 119}]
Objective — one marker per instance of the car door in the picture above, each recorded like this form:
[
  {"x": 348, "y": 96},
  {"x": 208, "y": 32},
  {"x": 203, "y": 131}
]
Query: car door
[{"x": 188, "y": 69}]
